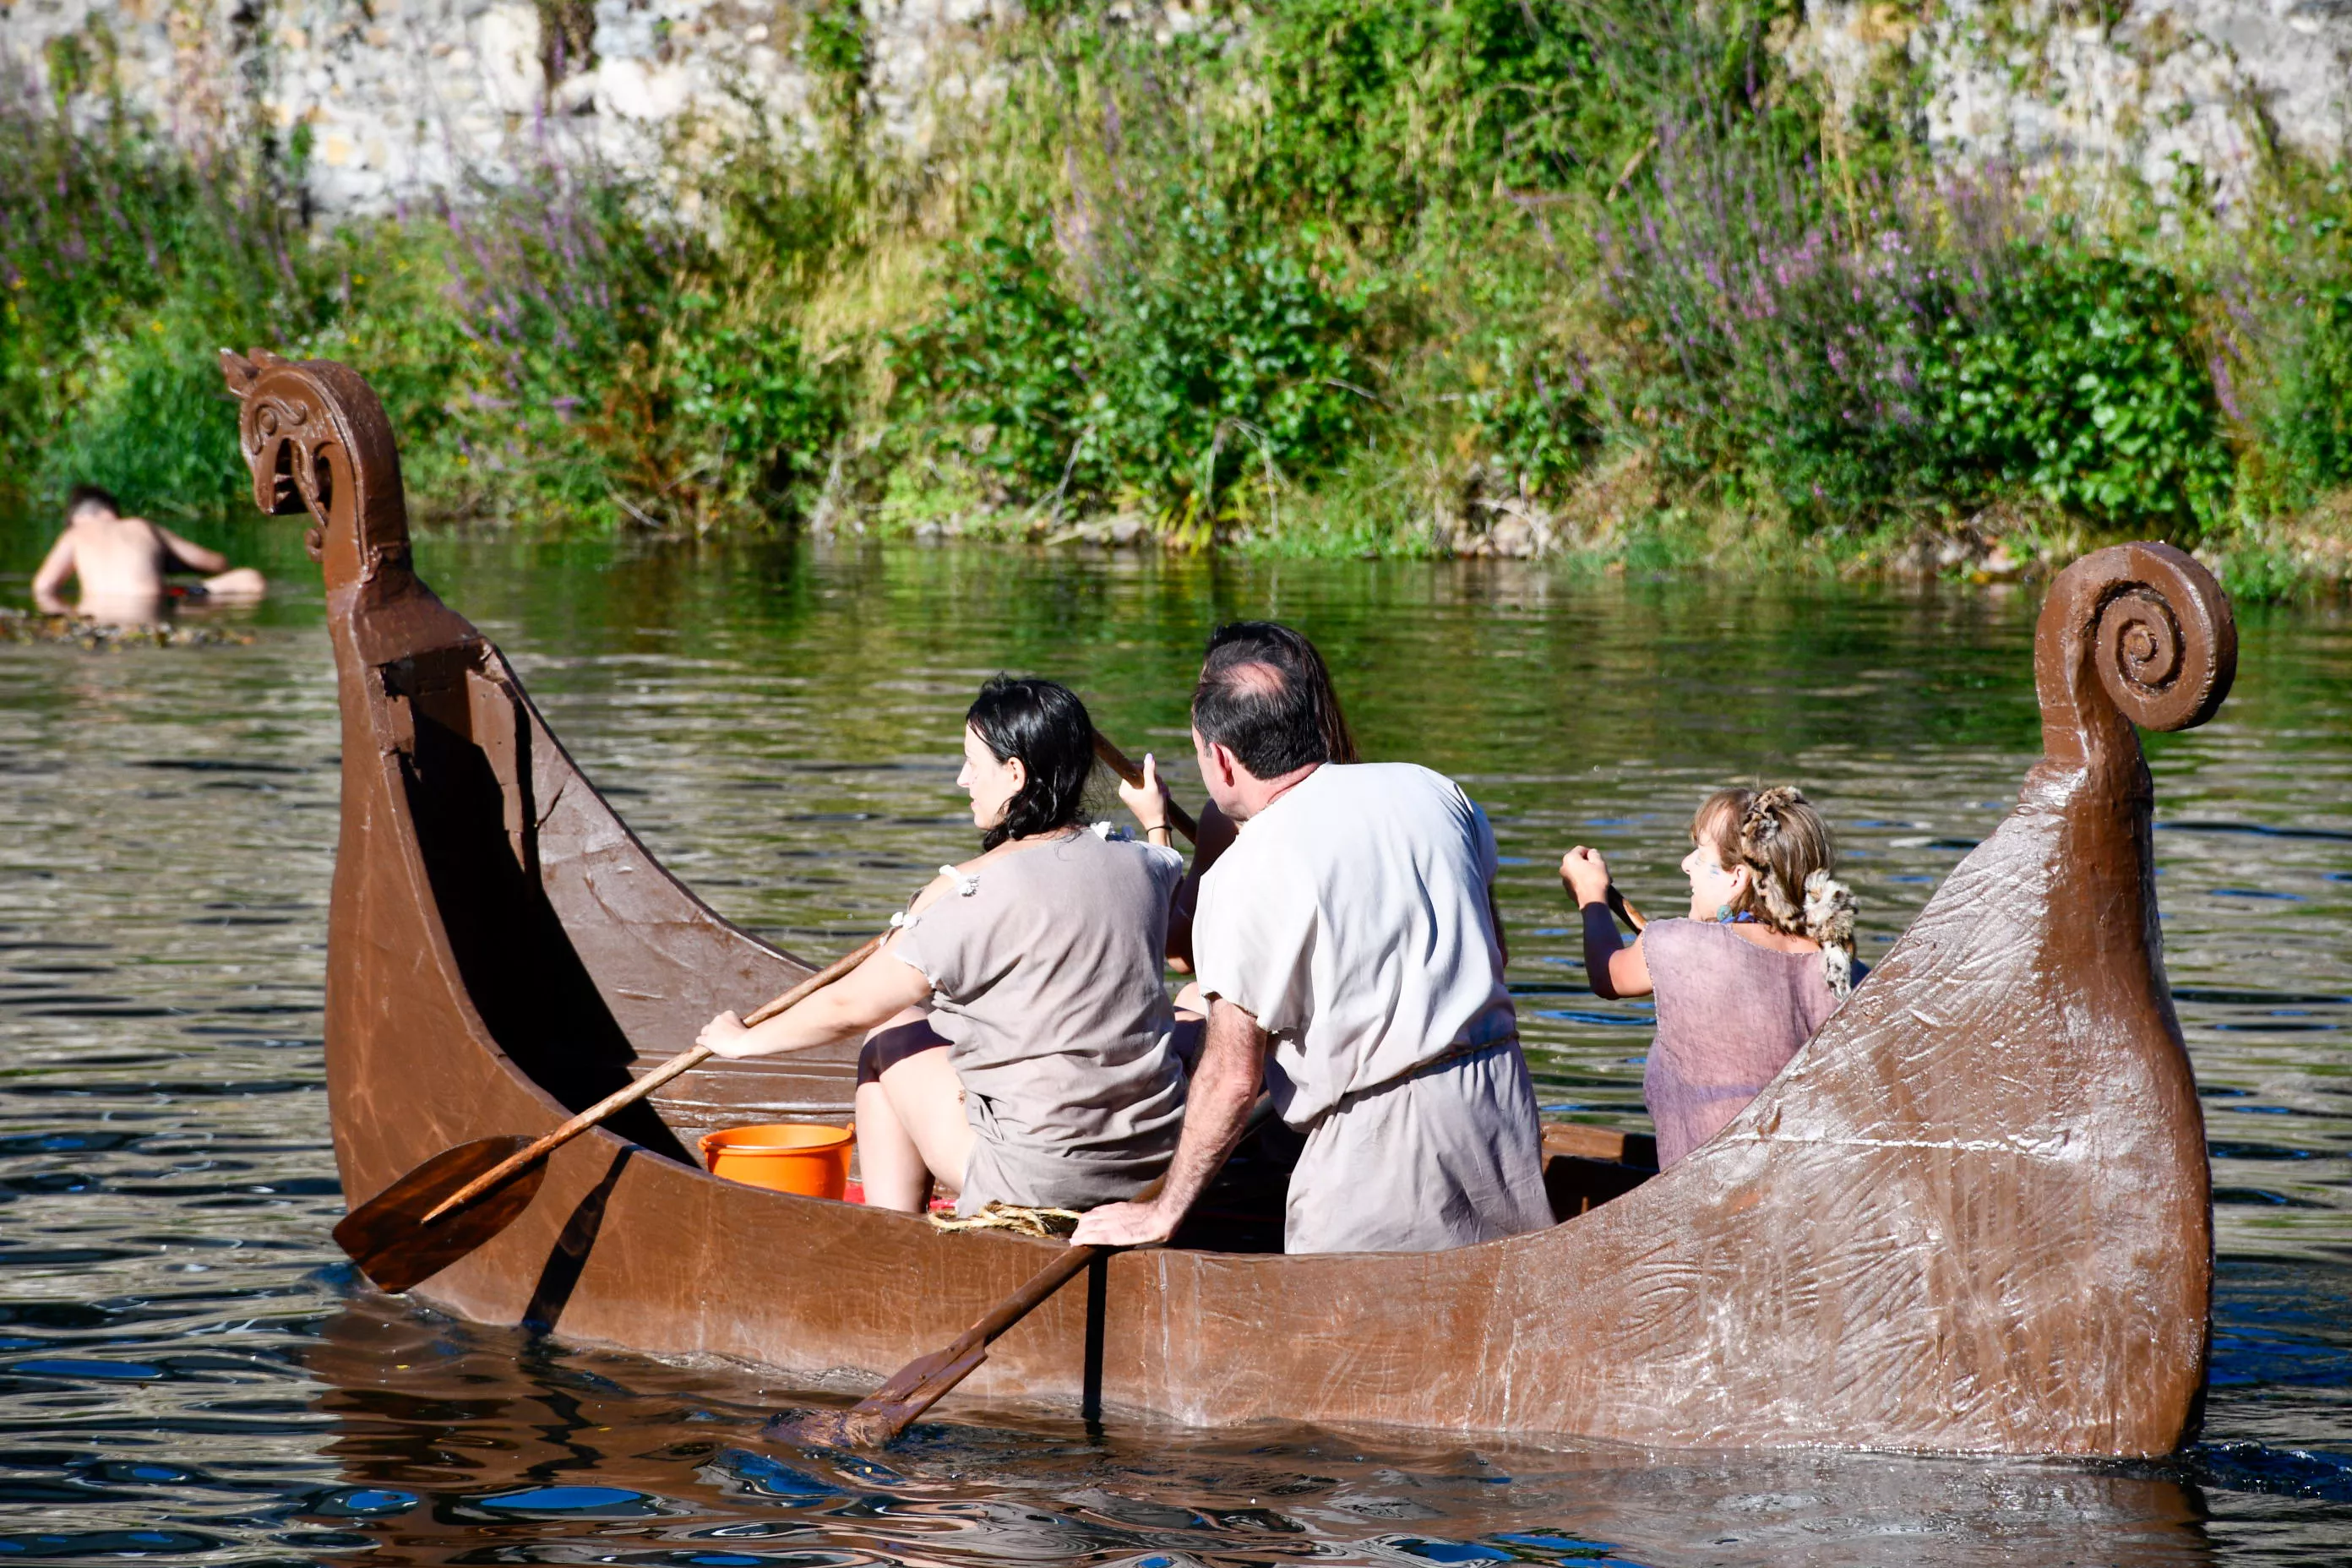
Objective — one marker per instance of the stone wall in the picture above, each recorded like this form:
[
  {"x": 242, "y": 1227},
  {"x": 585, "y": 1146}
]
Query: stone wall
[
  {"x": 402, "y": 96},
  {"x": 2188, "y": 97}
]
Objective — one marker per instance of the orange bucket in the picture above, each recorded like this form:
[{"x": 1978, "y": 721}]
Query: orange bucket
[{"x": 788, "y": 1156}]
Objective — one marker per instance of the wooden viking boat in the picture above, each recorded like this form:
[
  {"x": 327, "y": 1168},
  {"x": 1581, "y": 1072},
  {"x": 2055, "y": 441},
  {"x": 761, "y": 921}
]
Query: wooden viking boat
[{"x": 1973, "y": 1215}]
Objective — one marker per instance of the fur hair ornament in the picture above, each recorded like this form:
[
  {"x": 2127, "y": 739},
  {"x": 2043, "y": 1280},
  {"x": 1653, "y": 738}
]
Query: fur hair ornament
[{"x": 1829, "y": 920}]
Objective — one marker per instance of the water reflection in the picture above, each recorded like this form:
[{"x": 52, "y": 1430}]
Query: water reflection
[
  {"x": 455, "y": 1440},
  {"x": 187, "y": 1372}
]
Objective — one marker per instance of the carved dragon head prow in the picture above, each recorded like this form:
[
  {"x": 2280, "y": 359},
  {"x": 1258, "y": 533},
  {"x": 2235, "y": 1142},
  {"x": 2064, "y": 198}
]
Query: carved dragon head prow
[{"x": 317, "y": 440}]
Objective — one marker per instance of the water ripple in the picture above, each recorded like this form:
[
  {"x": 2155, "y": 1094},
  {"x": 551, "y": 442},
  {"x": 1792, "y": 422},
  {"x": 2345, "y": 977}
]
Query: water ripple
[{"x": 189, "y": 1372}]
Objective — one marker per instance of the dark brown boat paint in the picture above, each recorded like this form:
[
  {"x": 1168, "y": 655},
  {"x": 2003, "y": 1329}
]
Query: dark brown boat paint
[{"x": 1973, "y": 1215}]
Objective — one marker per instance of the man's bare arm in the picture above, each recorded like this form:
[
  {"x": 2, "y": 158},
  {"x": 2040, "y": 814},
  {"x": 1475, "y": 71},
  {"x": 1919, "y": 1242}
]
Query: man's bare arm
[
  {"x": 1225, "y": 1087},
  {"x": 192, "y": 557},
  {"x": 57, "y": 571}
]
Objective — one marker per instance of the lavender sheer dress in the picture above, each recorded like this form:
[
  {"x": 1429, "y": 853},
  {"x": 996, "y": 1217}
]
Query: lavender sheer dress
[{"x": 1730, "y": 1017}]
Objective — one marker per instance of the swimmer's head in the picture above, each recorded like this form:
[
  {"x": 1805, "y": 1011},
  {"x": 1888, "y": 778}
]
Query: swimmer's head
[{"x": 90, "y": 498}]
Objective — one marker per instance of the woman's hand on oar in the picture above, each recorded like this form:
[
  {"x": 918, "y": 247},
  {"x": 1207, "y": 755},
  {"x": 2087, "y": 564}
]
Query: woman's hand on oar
[
  {"x": 460, "y": 1198},
  {"x": 1120, "y": 763},
  {"x": 1149, "y": 800},
  {"x": 1585, "y": 875}
]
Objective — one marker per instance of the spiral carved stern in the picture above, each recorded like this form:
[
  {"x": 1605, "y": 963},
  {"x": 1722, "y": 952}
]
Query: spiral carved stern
[{"x": 2006, "y": 1237}]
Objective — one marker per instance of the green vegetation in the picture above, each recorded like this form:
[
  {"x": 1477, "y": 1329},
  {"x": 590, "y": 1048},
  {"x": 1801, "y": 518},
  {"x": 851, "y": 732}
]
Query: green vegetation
[{"x": 1329, "y": 276}]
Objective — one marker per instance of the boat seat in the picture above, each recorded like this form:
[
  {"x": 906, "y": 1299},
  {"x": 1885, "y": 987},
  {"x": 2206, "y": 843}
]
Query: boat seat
[{"x": 1586, "y": 1166}]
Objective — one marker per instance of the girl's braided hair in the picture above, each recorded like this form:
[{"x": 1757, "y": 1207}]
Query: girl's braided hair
[{"x": 1785, "y": 845}]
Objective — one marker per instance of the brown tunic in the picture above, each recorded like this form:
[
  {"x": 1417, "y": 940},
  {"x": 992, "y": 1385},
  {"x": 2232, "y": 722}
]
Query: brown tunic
[{"x": 1731, "y": 1015}]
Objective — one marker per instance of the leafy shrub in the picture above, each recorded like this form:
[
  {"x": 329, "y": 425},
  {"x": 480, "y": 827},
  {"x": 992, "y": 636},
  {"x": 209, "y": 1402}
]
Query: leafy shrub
[
  {"x": 1379, "y": 113},
  {"x": 2314, "y": 423},
  {"x": 749, "y": 404},
  {"x": 159, "y": 428},
  {"x": 1007, "y": 360},
  {"x": 548, "y": 352},
  {"x": 2079, "y": 380},
  {"x": 1922, "y": 350},
  {"x": 1171, "y": 375},
  {"x": 1532, "y": 408},
  {"x": 123, "y": 265}
]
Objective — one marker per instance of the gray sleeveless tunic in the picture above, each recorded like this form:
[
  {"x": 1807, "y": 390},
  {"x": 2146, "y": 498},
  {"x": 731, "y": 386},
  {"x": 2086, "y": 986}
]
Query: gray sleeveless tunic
[{"x": 1045, "y": 974}]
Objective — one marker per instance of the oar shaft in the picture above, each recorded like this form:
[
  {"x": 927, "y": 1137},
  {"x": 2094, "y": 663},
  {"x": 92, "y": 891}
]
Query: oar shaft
[
  {"x": 1125, "y": 766},
  {"x": 1025, "y": 1300},
  {"x": 1072, "y": 1261},
  {"x": 1066, "y": 1268},
  {"x": 685, "y": 1061},
  {"x": 1627, "y": 912}
]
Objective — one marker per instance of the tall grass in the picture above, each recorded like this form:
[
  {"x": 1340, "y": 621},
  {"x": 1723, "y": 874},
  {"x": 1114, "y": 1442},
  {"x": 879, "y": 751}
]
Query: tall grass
[{"x": 1330, "y": 274}]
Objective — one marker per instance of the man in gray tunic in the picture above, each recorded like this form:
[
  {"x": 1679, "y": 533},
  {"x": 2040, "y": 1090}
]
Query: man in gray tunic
[{"x": 1348, "y": 947}]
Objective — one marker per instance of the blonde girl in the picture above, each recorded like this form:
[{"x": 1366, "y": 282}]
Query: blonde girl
[{"x": 1764, "y": 957}]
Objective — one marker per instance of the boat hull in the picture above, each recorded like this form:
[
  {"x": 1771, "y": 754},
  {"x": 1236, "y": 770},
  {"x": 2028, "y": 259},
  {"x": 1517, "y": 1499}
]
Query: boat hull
[{"x": 1973, "y": 1215}]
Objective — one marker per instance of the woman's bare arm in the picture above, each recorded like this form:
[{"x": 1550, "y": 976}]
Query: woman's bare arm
[
  {"x": 1217, "y": 836},
  {"x": 866, "y": 998},
  {"x": 1614, "y": 970}
]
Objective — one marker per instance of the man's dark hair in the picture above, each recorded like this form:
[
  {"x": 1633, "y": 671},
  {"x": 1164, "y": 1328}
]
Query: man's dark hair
[
  {"x": 91, "y": 495},
  {"x": 1266, "y": 696},
  {"x": 1043, "y": 723}
]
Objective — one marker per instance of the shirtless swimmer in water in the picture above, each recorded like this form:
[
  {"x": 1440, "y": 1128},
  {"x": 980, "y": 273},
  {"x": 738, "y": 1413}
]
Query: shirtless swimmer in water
[{"x": 122, "y": 562}]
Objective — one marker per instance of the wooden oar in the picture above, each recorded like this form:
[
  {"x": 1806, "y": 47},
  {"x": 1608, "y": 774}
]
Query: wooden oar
[
  {"x": 922, "y": 1382},
  {"x": 1120, "y": 763},
  {"x": 460, "y": 1198},
  {"x": 1625, "y": 911},
  {"x": 890, "y": 1409}
]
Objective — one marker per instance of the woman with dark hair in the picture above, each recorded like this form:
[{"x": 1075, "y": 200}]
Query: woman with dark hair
[{"x": 1018, "y": 1042}]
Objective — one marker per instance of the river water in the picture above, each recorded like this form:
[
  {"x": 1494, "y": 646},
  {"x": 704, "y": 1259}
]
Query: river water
[{"x": 190, "y": 1370}]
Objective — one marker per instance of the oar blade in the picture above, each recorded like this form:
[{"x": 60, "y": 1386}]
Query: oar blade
[
  {"x": 879, "y": 1418},
  {"x": 914, "y": 1374},
  {"x": 387, "y": 1235}
]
